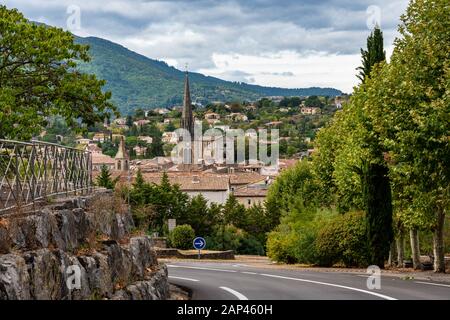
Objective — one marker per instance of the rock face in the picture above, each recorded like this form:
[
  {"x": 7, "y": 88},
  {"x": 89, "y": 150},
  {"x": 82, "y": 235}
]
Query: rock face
[{"x": 72, "y": 251}]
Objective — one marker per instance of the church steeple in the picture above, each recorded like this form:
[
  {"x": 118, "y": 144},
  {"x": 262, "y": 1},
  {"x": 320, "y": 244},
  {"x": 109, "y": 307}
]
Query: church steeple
[
  {"x": 187, "y": 119},
  {"x": 121, "y": 158}
]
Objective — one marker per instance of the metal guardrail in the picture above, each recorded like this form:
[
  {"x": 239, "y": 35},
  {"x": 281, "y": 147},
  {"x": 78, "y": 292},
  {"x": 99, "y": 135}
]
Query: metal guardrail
[{"x": 33, "y": 171}]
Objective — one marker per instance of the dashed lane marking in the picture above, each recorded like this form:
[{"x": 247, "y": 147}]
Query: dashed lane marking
[{"x": 433, "y": 284}]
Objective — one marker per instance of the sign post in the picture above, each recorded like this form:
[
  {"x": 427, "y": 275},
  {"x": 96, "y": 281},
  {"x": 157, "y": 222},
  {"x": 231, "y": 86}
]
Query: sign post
[
  {"x": 199, "y": 244},
  {"x": 172, "y": 224}
]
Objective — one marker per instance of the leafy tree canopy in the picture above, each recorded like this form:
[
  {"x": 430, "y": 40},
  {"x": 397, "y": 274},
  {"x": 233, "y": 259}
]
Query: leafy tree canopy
[{"x": 38, "y": 78}]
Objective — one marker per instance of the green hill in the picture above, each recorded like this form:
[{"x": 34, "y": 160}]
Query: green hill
[{"x": 137, "y": 81}]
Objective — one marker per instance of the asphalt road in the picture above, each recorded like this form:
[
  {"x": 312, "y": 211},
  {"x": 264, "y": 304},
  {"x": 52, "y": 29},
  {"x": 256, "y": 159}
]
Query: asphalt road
[{"x": 228, "y": 281}]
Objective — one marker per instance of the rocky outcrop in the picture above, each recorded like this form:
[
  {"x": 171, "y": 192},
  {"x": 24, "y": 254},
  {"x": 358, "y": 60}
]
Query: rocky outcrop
[
  {"x": 65, "y": 225},
  {"x": 71, "y": 251}
]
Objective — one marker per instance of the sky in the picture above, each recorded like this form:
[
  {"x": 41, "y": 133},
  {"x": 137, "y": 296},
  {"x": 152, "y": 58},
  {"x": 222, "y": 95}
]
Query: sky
[{"x": 280, "y": 43}]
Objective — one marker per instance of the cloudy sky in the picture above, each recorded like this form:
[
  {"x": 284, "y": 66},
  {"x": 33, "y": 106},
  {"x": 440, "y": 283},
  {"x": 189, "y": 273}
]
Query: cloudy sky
[{"x": 284, "y": 43}]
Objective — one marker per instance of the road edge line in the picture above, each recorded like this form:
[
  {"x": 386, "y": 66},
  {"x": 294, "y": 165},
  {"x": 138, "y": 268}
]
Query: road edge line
[
  {"x": 331, "y": 285},
  {"x": 239, "y": 295},
  {"x": 183, "y": 278}
]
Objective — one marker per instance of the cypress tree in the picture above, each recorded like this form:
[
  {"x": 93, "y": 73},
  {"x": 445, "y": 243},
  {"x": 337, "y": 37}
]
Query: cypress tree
[
  {"x": 104, "y": 179},
  {"x": 375, "y": 179},
  {"x": 373, "y": 55},
  {"x": 378, "y": 203},
  {"x": 139, "y": 181}
]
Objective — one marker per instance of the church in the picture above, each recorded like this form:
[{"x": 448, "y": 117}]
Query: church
[{"x": 197, "y": 150}]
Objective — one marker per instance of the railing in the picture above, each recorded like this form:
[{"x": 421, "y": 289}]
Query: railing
[{"x": 33, "y": 171}]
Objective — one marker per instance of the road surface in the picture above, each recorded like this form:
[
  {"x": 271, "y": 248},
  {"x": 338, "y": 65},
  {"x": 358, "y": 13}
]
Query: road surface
[{"x": 230, "y": 281}]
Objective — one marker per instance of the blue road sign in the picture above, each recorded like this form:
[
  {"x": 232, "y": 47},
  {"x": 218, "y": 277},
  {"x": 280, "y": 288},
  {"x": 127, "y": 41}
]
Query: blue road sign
[{"x": 199, "y": 243}]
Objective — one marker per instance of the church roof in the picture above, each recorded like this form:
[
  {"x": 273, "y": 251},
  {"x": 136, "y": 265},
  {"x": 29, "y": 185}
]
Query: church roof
[{"x": 187, "y": 118}]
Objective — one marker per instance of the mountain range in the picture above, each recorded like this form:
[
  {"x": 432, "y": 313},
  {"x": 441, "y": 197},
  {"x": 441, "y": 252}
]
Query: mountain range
[{"x": 140, "y": 82}]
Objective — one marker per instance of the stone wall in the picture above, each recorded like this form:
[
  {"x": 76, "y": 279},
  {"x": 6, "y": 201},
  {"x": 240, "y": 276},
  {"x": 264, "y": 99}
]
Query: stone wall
[
  {"x": 213, "y": 255},
  {"x": 159, "y": 242},
  {"x": 39, "y": 252}
]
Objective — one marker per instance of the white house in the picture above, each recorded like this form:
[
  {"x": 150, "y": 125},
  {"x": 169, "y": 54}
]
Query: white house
[
  {"x": 140, "y": 123},
  {"x": 161, "y": 111},
  {"x": 146, "y": 139},
  {"x": 170, "y": 137},
  {"x": 237, "y": 116}
]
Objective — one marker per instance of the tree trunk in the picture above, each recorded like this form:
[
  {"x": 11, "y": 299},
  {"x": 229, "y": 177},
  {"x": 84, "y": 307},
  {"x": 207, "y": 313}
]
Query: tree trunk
[
  {"x": 438, "y": 242},
  {"x": 415, "y": 250},
  {"x": 392, "y": 255},
  {"x": 400, "y": 250},
  {"x": 378, "y": 201}
]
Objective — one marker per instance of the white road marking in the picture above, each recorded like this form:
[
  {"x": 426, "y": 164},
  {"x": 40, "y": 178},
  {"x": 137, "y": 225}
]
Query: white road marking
[
  {"x": 181, "y": 278},
  {"x": 239, "y": 295},
  {"x": 434, "y": 284},
  {"x": 237, "y": 265},
  {"x": 331, "y": 285},
  {"x": 200, "y": 268},
  {"x": 248, "y": 272}
]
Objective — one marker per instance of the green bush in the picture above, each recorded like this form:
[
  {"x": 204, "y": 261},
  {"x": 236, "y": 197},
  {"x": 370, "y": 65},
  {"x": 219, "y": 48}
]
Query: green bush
[
  {"x": 325, "y": 239},
  {"x": 282, "y": 247},
  {"x": 343, "y": 239},
  {"x": 294, "y": 243},
  {"x": 251, "y": 245},
  {"x": 181, "y": 237},
  {"x": 231, "y": 238}
]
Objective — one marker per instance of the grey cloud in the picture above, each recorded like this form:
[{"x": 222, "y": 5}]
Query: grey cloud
[
  {"x": 282, "y": 74},
  {"x": 192, "y": 31}
]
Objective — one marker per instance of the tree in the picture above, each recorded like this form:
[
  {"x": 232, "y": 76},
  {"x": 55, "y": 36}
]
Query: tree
[
  {"x": 199, "y": 216},
  {"x": 39, "y": 78},
  {"x": 129, "y": 121},
  {"x": 167, "y": 201},
  {"x": 235, "y": 107},
  {"x": 373, "y": 54},
  {"x": 377, "y": 195},
  {"x": 104, "y": 179},
  {"x": 139, "y": 181},
  {"x": 234, "y": 212},
  {"x": 313, "y": 101},
  {"x": 139, "y": 113},
  {"x": 409, "y": 106},
  {"x": 170, "y": 127},
  {"x": 156, "y": 148},
  {"x": 373, "y": 169},
  {"x": 258, "y": 222},
  {"x": 294, "y": 186}
]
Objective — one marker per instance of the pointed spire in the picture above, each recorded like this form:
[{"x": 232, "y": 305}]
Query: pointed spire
[
  {"x": 187, "y": 120},
  {"x": 121, "y": 153}
]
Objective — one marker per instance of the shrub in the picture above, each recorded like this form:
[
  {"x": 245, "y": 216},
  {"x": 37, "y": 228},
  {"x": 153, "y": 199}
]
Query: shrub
[
  {"x": 225, "y": 238},
  {"x": 281, "y": 247},
  {"x": 294, "y": 243},
  {"x": 232, "y": 238},
  {"x": 181, "y": 236},
  {"x": 322, "y": 238},
  {"x": 343, "y": 239},
  {"x": 251, "y": 245}
]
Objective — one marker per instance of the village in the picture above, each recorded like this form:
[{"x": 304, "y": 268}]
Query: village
[{"x": 144, "y": 142}]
